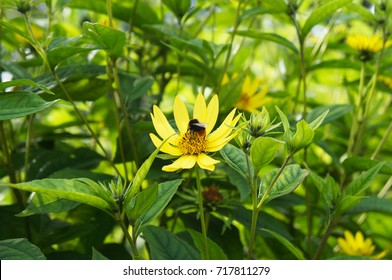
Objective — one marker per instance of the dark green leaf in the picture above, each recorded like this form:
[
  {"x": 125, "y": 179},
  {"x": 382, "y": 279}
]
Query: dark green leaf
[
  {"x": 42, "y": 203},
  {"x": 109, "y": 39},
  {"x": 360, "y": 184},
  {"x": 362, "y": 11},
  {"x": 98, "y": 256},
  {"x": 19, "y": 249},
  {"x": 294, "y": 250},
  {"x": 334, "y": 112},
  {"x": 141, "y": 202},
  {"x": 24, "y": 82},
  {"x": 268, "y": 37},
  {"x": 164, "y": 245},
  {"x": 319, "y": 120},
  {"x": 236, "y": 159},
  {"x": 165, "y": 192},
  {"x": 287, "y": 182},
  {"x": 373, "y": 204},
  {"x": 214, "y": 251},
  {"x": 321, "y": 13},
  {"x": 20, "y": 104},
  {"x": 263, "y": 151},
  {"x": 336, "y": 64},
  {"x": 178, "y": 7},
  {"x": 355, "y": 163},
  {"x": 79, "y": 190}
]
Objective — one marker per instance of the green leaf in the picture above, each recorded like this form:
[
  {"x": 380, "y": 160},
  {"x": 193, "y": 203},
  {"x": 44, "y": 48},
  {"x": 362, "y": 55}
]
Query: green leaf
[
  {"x": 294, "y": 250},
  {"x": 373, "y": 204},
  {"x": 20, "y": 104},
  {"x": 360, "y": 184},
  {"x": 362, "y": 11},
  {"x": 165, "y": 193},
  {"x": 287, "y": 182},
  {"x": 24, "y": 82},
  {"x": 164, "y": 245},
  {"x": 268, "y": 37},
  {"x": 19, "y": 249},
  {"x": 141, "y": 175},
  {"x": 334, "y": 112},
  {"x": 319, "y": 120},
  {"x": 43, "y": 203},
  {"x": 214, "y": 251},
  {"x": 355, "y": 163},
  {"x": 285, "y": 123},
  {"x": 236, "y": 159},
  {"x": 12, "y": 28},
  {"x": 263, "y": 151},
  {"x": 178, "y": 7},
  {"x": 141, "y": 202},
  {"x": 98, "y": 256},
  {"x": 57, "y": 55},
  {"x": 139, "y": 88},
  {"x": 321, "y": 13},
  {"x": 81, "y": 190},
  {"x": 302, "y": 137},
  {"x": 238, "y": 181},
  {"x": 109, "y": 39},
  {"x": 327, "y": 187},
  {"x": 336, "y": 64}
]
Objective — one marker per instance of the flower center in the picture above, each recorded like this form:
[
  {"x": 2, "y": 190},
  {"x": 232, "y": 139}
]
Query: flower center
[{"x": 192, "y": 143}]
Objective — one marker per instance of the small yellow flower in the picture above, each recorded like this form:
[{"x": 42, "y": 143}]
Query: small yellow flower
[
  {"x": 386, "y": 80},
  {"x": 366, "y": 46},
  {"x": 253, "y": 96},
  {"x": 358, "y": 246},
  {"x": 194, "y": 138}
]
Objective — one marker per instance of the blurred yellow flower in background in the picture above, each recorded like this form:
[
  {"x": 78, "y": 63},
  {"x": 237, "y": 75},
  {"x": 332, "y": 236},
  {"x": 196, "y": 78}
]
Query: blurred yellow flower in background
[
  {"x": 194, "y": 138},
  {"x": 358, "y": 246},
  {"x": 253, "y": 95},
  {"x": 366, "y": 46}
]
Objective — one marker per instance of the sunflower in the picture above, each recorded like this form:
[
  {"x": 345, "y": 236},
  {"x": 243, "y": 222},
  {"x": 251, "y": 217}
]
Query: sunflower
[
  {"x": 194, "y": 138},
  {"x": 366, "y": 46},
  {"x": 253, "y": 95},
  {"x": 358, "y": 246}
]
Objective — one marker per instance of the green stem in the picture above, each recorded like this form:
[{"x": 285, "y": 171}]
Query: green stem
[
  {"x": 382, "y": 142},
  {"x": 28, "y": 144},
  {"x": 323, "y": 242},
  {"x": 357, "y": 111},
  {"x": 7, "y": 156},
  {"x": 230, "y": 48},
  {"x": 131, "y": 241},
  {"x": 265, "y": 195},
  {"x": 201, "y": 211}
]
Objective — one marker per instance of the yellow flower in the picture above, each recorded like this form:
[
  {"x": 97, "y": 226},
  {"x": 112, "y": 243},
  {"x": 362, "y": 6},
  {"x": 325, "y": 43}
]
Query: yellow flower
[
  {"x": 358, "y": 246},
  {"x": 386, "y": 80},
  {"x": 194, "y": 138},
  {"x": 365, "y": 44},
  {"x": 252, "y": 97}
]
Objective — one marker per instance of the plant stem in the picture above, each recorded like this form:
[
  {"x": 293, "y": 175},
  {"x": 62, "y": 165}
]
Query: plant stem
[
  {"x": 323, "y": 242},
  {"x": 230, "y": 48},
  {"x": 132, "y": 241},
  {"x": 265, "y": 195},
  {"x": 382, "y": 142},
  {"x": 28, "y": 144},
  {"x": 255, "y": 211},
  {"x": 201, "y": 211}
]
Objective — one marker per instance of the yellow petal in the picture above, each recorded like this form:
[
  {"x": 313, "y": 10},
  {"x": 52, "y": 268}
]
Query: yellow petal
[
  {"x": 162, "y": 126},
  {"x": 166, "y": 148},
  {"x": 349, "y": 239},
  {"x": 246, "y": 86},
  {"x": 181, "y": 115},
  {"x": 380, "y": 255},
  {"x": 224, "y": 129},
  {"x": 200, "y": 109},
  {"x": 212, "y": 113},
  {"x": 184, "y": 162},
  {"x": 217, "y": 145},
  {"x": 253, "y": 88},
  {"x": 206, "y": 162}
]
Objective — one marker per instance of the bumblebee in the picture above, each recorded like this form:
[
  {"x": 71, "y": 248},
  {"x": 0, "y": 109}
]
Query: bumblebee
[{"x": 195, "y": 126}]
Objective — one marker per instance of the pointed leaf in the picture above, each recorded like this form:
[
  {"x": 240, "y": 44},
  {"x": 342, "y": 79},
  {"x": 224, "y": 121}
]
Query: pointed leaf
[
  {"x": 109, "y": 39},
  {"x": 285, "y": 123},
  {"x": 164, "y": 245},
  {"x": 236, "y": 159},
  {"x": 360, "y": 184},
  {"x": 80, "y": 190},
  {"x": 334, "y": 112},
  {"x": 19, "y": 249},
  {"x": 287, "y": 182},
  {"x": 321, "y": 13},
  {"x": 141, "y": 202},
  {"x": 20, "y": 104},
  {"x": 214, "y": 251},
  {"x": 302, "y": 137},
  {"x": 268, "y": 37},
  {"x": 319, "y": 120},
  {"x": 263, "y": 151},
  {"x": 353, "y": 164},
  {"x": 98, "y": 256},
  {"x": 24, "y": 82},
  {"x": 294, "y": 250}
]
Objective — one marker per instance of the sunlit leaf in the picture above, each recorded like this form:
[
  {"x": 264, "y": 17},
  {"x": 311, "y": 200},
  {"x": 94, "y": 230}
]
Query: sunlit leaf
[
  {"x": 263, "y": 151},
  {"x": 363, "y": 181},
  {"x": 287, "y": 182}
]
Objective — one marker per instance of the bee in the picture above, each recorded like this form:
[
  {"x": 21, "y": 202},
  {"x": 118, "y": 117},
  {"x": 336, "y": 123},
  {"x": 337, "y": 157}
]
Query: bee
[{"x": 195, "y": 126}]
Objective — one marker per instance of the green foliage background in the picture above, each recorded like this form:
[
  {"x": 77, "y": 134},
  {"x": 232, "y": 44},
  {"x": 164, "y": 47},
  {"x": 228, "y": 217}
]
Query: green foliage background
[{"x": 78, "y": 169}]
